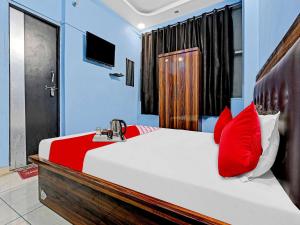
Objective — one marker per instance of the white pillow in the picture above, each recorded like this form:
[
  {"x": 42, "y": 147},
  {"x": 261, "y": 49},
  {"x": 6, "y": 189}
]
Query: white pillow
[{"x": 270, "y": 143}]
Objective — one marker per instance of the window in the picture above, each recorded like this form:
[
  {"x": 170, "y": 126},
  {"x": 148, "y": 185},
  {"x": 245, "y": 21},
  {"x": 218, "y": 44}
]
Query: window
[{"x": 237, "y": 91}]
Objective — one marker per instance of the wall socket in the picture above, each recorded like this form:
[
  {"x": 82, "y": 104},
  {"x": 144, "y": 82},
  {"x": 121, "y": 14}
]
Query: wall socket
[{"x": 75, "y": 3}]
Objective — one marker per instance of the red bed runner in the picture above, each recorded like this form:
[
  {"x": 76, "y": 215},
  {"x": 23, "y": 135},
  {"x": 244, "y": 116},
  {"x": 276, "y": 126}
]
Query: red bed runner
[{"x": 71, "y": 152}]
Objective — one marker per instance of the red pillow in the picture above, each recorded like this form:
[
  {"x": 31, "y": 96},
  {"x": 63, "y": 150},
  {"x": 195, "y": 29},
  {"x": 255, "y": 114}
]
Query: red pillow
[
  {"x": 240, "y": 144},
  {"x": 225, "y": 117}
]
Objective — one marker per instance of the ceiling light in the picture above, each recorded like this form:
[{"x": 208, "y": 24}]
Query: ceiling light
[{"x": 141, "y": 26}]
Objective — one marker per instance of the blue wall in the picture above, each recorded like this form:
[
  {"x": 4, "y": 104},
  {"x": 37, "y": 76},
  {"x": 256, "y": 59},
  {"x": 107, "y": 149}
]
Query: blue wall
[
  {"x": 275, "y": 18},
  {"x": 250, "y": 48},
  {"x": 92, "y": 97},
  {"x": 265, "y": 24},
  {"x": 209, "y": 122},
  {"x": 89, "y": 96},
  {"x": 48, "y": 9},
  {"x": 4, "y": 84}
]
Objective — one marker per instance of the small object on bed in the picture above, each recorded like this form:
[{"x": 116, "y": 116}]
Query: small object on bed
[
  {"x": 98, "y": 131},
  {"x": 108, "y": 133},
  {"x": 105, "y": 138},
  {"x": 118, "y": 128},
  {"x": 116, "y": 132},
  {"x": 105, "y": 135}
]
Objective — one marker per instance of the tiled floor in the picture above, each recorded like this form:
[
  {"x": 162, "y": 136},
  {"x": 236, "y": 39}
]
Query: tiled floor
[{"x": 19, "y": 204}]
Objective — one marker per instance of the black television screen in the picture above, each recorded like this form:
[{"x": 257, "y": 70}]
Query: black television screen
[{"x": 100, "y": 50}]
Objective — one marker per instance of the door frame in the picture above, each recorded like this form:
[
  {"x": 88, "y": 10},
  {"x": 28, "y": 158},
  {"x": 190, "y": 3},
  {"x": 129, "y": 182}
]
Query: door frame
[{"x": 58, "y": 28}]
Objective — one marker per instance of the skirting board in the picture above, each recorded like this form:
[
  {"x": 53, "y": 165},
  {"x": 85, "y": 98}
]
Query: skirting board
[{"x": 4, "y": 171}]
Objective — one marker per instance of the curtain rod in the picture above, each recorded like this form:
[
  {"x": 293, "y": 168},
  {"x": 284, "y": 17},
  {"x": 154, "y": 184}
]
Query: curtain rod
[{"x": 233, "y": 6}]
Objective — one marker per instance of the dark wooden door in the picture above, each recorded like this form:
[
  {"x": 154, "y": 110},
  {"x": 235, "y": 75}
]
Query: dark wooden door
[
  {"x": 41, "y": 82},
  {"x": 179, "y": 94}
]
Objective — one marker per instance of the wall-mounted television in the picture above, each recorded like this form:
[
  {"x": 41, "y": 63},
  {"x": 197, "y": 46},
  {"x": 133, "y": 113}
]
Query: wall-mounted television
[{"x": 100, "y": 50}]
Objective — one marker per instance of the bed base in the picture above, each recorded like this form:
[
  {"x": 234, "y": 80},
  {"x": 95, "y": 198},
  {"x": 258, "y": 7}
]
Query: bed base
[{"x": 84, "y": 199}]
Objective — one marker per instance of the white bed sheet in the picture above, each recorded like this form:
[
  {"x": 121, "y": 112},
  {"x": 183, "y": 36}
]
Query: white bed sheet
[{"x": 180, "y": 167}]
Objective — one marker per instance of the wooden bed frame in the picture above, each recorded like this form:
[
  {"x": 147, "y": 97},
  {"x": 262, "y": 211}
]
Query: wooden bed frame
[{"x": 84, "y": 199}]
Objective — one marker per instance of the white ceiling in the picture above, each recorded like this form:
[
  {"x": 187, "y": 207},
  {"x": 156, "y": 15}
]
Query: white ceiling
[{"x": 154, "y": 12}]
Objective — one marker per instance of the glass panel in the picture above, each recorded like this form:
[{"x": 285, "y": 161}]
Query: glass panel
[
  {"x": 237, "y": 76},
  {"x": 17, "y": 91},
  {"x": 237, "y": 29}
]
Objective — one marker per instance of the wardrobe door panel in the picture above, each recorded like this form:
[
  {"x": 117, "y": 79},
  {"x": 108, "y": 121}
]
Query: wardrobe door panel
[
  {"x": 182, "y": 100},
  {"x": 162, "y": 91},
  {"x": 167, "y": 91},
  {"x": 187, "y": 100}
]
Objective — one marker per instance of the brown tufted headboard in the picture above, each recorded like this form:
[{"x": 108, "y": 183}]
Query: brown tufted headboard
[{"x": 279, "y": 90}]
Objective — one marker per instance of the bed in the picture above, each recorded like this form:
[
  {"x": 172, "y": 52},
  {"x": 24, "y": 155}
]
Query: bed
[
  {"x": 174, "y": 180},
  {"x": 174, "y": 168}
]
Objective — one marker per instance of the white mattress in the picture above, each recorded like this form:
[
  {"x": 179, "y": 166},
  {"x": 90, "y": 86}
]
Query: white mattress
[{"x": 180, "y": 167}]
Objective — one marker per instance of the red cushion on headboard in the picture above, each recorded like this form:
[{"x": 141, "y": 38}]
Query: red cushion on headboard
[
  {"x": 240, "y": 144},
  {"x": 224, "y": 118}
]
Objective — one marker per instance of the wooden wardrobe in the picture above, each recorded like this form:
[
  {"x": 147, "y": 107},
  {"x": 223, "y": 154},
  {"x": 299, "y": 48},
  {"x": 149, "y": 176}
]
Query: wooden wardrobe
[{"x": 179, "y": 89}]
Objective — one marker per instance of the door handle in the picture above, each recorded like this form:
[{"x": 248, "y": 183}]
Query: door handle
[
  {"x": 52, "y": 76},
  {"x": 52, "y": 90},
  {"x": 51, "y": 87}
]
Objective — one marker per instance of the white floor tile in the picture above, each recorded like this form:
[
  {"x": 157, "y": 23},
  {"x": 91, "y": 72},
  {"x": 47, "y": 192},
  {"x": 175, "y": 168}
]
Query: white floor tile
[
  {"x": 23, "y": 199},
  {"x": 45, "y": 216},
  {"x": 13, "y": 180},
  {"x": 19, "y": 221},
  {"x": 6, "y": 214}
]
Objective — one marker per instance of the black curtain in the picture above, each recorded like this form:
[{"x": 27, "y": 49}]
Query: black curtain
[{"x": 212, "y": 33}]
